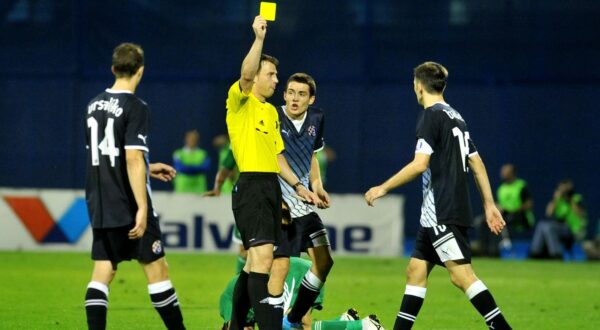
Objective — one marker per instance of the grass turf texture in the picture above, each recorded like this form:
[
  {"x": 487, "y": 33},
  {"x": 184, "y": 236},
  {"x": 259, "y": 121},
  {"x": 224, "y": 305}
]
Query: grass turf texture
[{"x": 46, "y": 291}]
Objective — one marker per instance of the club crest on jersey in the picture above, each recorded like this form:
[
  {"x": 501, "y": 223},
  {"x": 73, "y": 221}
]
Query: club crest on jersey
[
  {"x": 157, "y": 247},
  {"x": 312, "y": 131}
]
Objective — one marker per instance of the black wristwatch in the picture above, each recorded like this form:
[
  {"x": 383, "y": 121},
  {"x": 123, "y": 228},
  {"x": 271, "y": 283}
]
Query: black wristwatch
[{"x": 296, "y": 185}]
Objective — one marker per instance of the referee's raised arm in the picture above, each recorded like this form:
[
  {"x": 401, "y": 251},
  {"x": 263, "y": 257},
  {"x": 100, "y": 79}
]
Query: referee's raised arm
[{"x": 252, "y": 60}]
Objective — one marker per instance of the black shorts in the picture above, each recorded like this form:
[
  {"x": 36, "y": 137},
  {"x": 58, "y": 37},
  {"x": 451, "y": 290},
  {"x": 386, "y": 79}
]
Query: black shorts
[
  {"x": 303, "y": 233},
  {"x": 256, "y": 203},
  {"x": 442, "y": 243},
  {"x": 114, "y": 244}
]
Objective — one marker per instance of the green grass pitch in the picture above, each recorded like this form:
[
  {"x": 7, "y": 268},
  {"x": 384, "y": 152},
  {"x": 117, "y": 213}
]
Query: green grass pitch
[{"x": 46, "y": 291}]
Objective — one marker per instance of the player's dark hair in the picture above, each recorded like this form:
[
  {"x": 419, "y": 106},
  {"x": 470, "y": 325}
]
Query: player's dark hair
[
  {"x": 268, "y": 58},
  {"x": 304, "y": 78},
  {"x": 127, "y": 59},
  {"x": 433, "y": 76}
]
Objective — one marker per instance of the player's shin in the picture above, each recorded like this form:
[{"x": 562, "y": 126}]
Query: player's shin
[
  {"x": 308, "y": 293},
  {"x": 241, "y": 301},
  {"x": 483, "y": 301},
  {"x": 275, "y": 311},
  {"x": 411, "y": 304},
  {"x": 96, "y": 305},
  {"x": 259, "y": 298},
  {"x": 332, "y": 325},
  {"x": 164, "y": 299},
  {"x": 279, "y": 271}
]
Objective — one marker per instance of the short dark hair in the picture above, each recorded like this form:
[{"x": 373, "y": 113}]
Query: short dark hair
[
  {"x": 268, "y": 58},
  {"x": 127, "y": 59},
  {"x": 433, "y": 76},
  {"x": 304, "y": 78}
]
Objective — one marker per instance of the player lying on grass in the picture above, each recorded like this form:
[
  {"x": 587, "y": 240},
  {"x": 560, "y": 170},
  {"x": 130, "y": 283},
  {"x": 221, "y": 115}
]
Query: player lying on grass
[{"x": 298, "y": 267}]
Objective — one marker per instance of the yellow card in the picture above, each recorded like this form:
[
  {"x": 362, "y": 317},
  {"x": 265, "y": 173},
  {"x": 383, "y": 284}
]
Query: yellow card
[{"x": 268, "y": 10}]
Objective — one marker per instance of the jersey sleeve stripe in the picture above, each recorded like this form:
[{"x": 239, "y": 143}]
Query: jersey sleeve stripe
[
  {"x": 137, "y": 148},
  {"x": 423, "y": 147}
]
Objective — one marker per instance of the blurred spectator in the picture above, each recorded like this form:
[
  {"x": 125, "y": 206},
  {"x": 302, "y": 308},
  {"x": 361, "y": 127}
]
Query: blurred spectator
[
  {"x": 592, "y": 247},
  {"x": 325, "y": 156},
  {"x": 516, "y": 204},
  {"x": 191, "y": 163},
  {"x": 514, "y": 201},
  {"x": 567, "y": 226}
]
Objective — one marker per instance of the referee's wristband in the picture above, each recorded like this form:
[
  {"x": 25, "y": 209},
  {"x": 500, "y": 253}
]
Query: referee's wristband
[{"x": 296, "y": 185}]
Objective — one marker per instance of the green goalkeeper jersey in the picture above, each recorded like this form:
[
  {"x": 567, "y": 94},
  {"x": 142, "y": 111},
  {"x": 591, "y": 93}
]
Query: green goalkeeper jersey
[{"x": 298, "y": 268}]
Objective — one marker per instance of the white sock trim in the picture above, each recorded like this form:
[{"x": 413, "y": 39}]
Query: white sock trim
[
  {"x": 312, "y": 281},
  {"x": 98, "y": 286},
  {"x": 159, "y": 287},
  {"x": 475, "y": 289},
  {"x": 96, "y": 302},
  {"x": 415, "y": 291},
  {"x": 166, "y": 302},
  {"x": 276, "y": 300},
  {"x": 492, "y": 314},
  {"x": 407, "y": 316}
]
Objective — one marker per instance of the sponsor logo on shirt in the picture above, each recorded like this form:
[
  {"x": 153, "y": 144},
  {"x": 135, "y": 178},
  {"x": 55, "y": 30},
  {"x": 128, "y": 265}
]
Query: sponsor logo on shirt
[{"x": 142, "y": 137}]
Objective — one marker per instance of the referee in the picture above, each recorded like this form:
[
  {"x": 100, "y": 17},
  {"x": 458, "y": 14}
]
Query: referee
[{"x": 253, "y": 126}]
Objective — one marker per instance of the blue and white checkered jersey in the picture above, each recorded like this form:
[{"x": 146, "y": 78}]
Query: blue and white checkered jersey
[{"x": 301, "y": 138}]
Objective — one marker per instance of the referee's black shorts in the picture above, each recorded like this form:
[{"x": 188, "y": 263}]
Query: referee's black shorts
[
  {"x": 256, "y": 203},
  {"x": 113, "y": 244}
]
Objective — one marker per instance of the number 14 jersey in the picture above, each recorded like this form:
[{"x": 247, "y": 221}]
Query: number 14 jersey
[
  {"x": 442, "y": 133},
  {"x": 115, "y": 121}
]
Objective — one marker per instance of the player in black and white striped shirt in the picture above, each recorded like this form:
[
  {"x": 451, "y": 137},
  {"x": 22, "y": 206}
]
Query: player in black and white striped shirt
[
  {"x": 302, "y": 129},
  {"x": 444, "y": 155}
]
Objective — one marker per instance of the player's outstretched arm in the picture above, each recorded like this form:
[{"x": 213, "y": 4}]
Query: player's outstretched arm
[
  {"x": 226, "y": 170},
  {"x": 220, "y": 178},
  {"x": 492, "y": 215},
  {"x": 136, "y": 171},
  {"x": 162, "y": 172},
  {"x": 288, "y": 176},
  {"x": 317, "y": 184},
  {"x": 252, "y": 59},
  {"x": 408, "y": 173}
]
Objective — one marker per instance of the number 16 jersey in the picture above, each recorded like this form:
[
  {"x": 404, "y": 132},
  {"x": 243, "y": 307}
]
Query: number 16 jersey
[
  {"x": 442, "y": 133},
  {"x": 116, "y": 120}
]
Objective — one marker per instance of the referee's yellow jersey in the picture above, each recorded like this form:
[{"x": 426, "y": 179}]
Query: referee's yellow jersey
[{"x": 254, "y": 131}]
